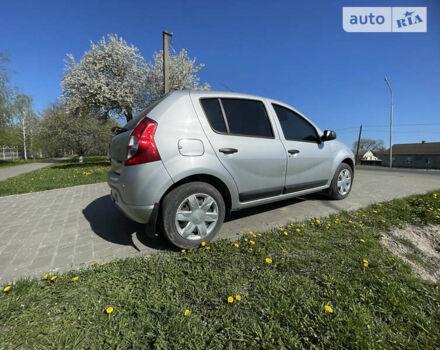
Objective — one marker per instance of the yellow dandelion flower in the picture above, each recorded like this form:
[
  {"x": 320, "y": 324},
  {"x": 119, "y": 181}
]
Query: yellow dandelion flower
[
  {"x": 303, "y": 225},
  {"x": 236, "y": 245},
  {"x": 328, "y": 217},
  {"x": 250, "y": 249},
  {"x": 109, "y": 310},
  {"x": 281, "y": 229},
  {"x": 269, "y": 260},
  {"x": 230, "y": 300},
  {"x": 365, "y": 262},
  {"x": 238, "y": 297},
  {"x": 7, "y": 289},
  {"x": 251, "y": 242},
  {"x": 203, "y": 244},
  {"x": 328, "y": 308},
  {"x": 251, "y": 232},
  {"x": 384, "y": 243},
  {"x": 241, "y": 231},
  {"x": 94, "y": 263},
  {"x": 208, "y": 248},
  {"x": 350, "y": 222},
  {"x": 286, "y": 233},
  {"x": 318, "y": 221},
  {"x": 259, "y": 234},
  {"x": 254, "y": 235},
  {"x": 75, "y": 278},
  {"x": 102, "y": 264},
  {"x": 362, "y": 240},
  {"x": 187, "y": 312},
  {"x": 53, "y": 278},
  {"x": 384, "y": 235},
  {"x": 375, "y": 211},
  {"x": 298, "y": 230},
  {"x": 183, "y": 250},
  {"x": 284, "y": 251},
  {"x": 245, "y": 239},
  {"x": 46, "y": 276}
]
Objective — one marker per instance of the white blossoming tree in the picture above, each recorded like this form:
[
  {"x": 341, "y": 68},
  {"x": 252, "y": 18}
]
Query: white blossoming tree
[
  {"x": 113, "y": 79},
  {"x": 183, "y": 74},
  {"x": 108, "y": 80}
]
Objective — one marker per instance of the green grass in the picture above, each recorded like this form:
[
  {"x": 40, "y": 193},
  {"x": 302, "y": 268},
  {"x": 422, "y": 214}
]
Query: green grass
[
  {"x": 64, "y": 174},
  {"x": 318, "y": 263},
  {"x": 9, "y": 163}
]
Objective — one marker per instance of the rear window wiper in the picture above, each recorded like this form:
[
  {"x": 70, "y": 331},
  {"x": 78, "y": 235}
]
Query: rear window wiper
[{"x": 117, "y": 130}]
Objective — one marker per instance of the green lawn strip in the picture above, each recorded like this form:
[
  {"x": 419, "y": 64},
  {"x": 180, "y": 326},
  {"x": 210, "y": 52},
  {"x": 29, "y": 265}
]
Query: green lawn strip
[
  {"x": 9, "y": 163},
  {"x": 316, "y": 263},
  {"x": 65, "y": 174}
]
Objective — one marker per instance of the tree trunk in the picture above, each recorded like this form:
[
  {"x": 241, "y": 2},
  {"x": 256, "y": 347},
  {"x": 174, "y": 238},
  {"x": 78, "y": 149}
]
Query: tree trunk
[
  {"x": 128, "y": 115},
  {"x": 24, "y": 139}
]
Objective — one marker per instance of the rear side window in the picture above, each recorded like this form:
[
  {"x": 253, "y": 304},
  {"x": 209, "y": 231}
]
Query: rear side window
[
  {"x": 247, "y": 117},
  {"x": 294, "y": 126},
  {"x": 213, "y": 112}
]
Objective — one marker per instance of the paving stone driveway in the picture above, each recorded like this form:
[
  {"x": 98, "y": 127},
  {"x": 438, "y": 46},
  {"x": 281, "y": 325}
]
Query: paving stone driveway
[{"x": 59, "y": 229}]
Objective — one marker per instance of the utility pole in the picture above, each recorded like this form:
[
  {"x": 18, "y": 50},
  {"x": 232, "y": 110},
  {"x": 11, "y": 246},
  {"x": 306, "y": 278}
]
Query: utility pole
[
  {"x": 166, "y": 62},
  {"x": 357, "y": 148},
  {"x": 391, "y": 123}
]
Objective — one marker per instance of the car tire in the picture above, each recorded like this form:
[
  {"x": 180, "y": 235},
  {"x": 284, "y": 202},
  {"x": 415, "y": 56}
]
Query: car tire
[
  {"x": 341, "y": 183},
  {"x": 191, "y": 214}
]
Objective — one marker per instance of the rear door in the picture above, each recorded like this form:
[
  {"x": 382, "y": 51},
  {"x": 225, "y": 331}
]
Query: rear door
[
  {"x": 245, "y": 142},
  {"x": 309, "y": 160}
]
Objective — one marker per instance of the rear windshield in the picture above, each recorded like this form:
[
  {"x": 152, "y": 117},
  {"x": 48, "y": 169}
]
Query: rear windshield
[{"x": 132, "y": 123}]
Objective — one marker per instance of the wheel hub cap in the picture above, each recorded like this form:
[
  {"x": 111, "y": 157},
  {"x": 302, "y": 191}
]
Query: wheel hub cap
[
  {"x": 196, "y": 216},
  {"x": 344, "y": 182}
]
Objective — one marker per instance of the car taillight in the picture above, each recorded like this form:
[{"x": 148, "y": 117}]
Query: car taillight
[{"x": 141, "y": 146}]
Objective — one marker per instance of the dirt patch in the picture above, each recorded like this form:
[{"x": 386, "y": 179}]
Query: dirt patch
[{"x": 419, "y": 247}]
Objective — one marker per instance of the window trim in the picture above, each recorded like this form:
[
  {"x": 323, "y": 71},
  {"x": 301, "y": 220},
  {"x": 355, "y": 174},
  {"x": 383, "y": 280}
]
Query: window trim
[
  {"x": 228, "y": 133},
  {"x": 318, "y": 138}
]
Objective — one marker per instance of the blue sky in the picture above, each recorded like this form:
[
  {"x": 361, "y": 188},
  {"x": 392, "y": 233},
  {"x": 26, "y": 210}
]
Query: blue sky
[{"x": 293, "y": 51}]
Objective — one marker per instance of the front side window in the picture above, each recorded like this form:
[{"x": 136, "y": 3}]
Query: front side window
[
  {"x": 294, "y": 126},
  {"x": 247, "y": 117}
]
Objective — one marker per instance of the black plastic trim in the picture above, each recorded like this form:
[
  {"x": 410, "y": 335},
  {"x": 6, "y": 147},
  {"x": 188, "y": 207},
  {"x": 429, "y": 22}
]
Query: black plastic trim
[
  {"x": 304, "y": 186},
  {"x": 258, "y": 194}
]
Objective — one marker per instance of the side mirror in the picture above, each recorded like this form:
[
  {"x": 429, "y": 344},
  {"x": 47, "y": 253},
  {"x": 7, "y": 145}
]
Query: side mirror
[{"x": 328, "y": 135}]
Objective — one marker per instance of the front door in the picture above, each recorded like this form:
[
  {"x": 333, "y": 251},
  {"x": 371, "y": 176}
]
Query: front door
[{"x": 310, "y": 160}]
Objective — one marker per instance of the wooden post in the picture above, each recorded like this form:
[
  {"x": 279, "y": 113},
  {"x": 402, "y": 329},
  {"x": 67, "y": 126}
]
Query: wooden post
[
  {"x": 166, "y": 62},
  {"x": 359, "y": 142}
]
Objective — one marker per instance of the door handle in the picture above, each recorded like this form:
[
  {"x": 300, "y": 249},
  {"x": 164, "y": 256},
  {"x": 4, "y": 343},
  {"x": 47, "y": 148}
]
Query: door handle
[
  {"x": 228, "y": 150},
  {"x": 293, "y": 151}
]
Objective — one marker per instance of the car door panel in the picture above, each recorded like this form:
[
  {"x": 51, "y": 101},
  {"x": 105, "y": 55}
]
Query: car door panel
[{"x": 256, "y": 163}]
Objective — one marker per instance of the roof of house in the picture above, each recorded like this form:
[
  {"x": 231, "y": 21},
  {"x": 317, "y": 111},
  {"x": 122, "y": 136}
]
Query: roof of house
[{"x": 416, "y": 149}]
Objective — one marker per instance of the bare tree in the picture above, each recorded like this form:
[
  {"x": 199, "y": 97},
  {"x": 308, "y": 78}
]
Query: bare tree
[{"x": 23, "y": 112}]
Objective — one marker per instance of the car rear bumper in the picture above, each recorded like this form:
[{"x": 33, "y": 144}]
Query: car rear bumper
[
  {"x": 139, "y": 213},
  {"x": 138, "y": 189}
]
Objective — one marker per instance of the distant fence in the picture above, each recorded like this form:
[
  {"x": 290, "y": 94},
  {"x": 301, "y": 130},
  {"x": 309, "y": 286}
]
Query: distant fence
[{"x": 12, "y": 153}]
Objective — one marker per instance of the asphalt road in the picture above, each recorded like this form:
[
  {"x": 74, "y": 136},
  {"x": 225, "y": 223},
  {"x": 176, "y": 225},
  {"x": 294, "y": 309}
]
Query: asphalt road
[
  {"x": 71, "y": 227},
  {"x": 369, "y": 186}
]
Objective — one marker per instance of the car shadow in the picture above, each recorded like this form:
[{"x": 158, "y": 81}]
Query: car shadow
[{"x": 109, "y": 223}]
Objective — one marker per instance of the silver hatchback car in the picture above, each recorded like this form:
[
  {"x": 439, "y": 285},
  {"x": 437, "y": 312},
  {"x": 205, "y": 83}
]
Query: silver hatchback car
[{"x": 192, "y": 157}]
